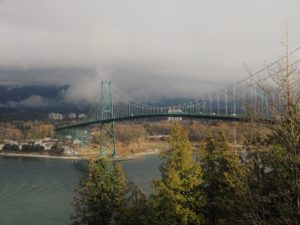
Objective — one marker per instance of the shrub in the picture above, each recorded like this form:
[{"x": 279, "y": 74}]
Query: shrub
[
  {"x": 32, "y": 148},
  {"x": 11, "y": 147},
  {"x": 56, "y": 150}
]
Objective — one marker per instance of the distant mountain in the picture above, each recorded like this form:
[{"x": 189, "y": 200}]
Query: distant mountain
[
  {"x": 19, "y": 93},
  {"x": 34, "y": 102}
]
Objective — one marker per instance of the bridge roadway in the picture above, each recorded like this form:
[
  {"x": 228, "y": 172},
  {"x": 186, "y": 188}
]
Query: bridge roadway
[{"x": 156, "y": 115}]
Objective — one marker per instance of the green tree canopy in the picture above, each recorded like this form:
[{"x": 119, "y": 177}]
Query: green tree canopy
[
  {"x": 222, "y": 185},
  {"x": 105, "y": 197},
  {"x": 175, "y": 200},
  {"x": 95, "y": 204}
]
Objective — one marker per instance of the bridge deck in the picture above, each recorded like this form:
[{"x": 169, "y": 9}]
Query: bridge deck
[{"x": 144, "y": 116}]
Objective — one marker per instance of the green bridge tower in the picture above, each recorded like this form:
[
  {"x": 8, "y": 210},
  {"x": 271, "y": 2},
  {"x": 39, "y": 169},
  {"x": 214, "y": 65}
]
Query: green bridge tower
[{"x": 107, "y": 133}]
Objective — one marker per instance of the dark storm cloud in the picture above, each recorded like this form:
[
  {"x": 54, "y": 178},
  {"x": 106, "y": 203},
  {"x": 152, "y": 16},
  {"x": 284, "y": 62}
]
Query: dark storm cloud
[
  {"x": 43, "y": 76},
  {"x": 148, "y": 48}
]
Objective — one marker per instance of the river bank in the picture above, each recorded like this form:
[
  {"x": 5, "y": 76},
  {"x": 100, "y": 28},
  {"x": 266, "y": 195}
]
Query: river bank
[
  {"x": 116, "y": 158},
  {"x": 37, "y": 155},
  {"x": 135, "y": 155}
]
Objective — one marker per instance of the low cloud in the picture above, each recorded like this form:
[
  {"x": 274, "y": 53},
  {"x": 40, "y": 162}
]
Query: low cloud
[
  {"x": 34, "y": 101},
  {"x": 86, "y": 88},
  {"x": 149, "y": 49}
]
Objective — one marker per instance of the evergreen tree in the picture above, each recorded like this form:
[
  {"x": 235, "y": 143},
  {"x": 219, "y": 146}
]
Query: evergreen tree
[
  {"x": 130, "y": 201},
  {"x": 119, "y": 188},
  {"x": 136, "y": 210},
  {"x": 222, "y": 185},
  {"x": 175, "y": 200},
  {"x": 100, "y": 195},
  {"x": 105, "y": 197}
]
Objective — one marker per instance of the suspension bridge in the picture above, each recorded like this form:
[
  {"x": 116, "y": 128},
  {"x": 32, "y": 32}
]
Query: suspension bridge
[{"x": 255, "y": 95}]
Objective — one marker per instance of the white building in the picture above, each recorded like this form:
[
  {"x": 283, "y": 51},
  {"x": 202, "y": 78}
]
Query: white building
[
  {"x": 175, "y": 111},
  {"x": 56, "y": 116},
  {"x": 81, "y": 116},
  {"x": 38, "y": 142},
  {"x": 69, "y": 151},
  {"x": 47, "y": 146},
  {"x": 72, "y": 116},
  {"x": 76, "y": 142}
]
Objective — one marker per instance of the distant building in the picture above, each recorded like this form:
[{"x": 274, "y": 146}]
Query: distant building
[
  {"x": 38, "y": 142},
  {"x": 47, "y": 146},
  {"x": 175, "y": 111},
  {"x": 69, "y": 151},
  {"x": 72, "y": 116},
  {"x": 69, "y": 137},
  {"x": 81, "y": 116},
  {"x": 56, "y": 116},
  {"x": 76, "y": 142}
]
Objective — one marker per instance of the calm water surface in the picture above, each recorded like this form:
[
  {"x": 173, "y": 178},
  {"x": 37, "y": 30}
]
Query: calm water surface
[{"x": 36, "y": 191}]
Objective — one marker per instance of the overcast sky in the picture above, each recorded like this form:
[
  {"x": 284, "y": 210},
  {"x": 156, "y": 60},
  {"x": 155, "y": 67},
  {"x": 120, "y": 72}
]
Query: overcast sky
[{"x": 148, "y": 48}]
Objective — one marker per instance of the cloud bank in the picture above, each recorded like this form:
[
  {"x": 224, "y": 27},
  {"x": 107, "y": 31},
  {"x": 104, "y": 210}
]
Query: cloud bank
[
  {"x": 34, "y": 101},
  {"x": 150, "y": 49}
]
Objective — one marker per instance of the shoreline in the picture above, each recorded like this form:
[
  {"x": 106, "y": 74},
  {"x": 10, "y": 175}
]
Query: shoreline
[
  {"x": 32, "y": 155},
  {"x": 134, "y": 155},
  {"x": 117, "y": 158}
]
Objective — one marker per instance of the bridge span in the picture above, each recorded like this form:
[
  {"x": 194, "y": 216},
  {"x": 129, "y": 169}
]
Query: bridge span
[
  {"x": 158, "y": 115},
  {"x": 240, "y": 101}
]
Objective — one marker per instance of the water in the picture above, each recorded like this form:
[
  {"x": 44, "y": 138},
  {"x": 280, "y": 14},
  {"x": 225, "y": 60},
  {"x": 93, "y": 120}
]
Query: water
[
  {"x": 36, "y": 191},
  {"x": 142, "y": 170}
]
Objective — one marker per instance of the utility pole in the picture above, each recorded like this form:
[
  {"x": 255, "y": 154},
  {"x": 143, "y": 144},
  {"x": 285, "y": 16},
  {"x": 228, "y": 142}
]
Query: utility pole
[
  {"x": 288, "y": 73},
  {"x": 226, "y": 101},
  {"x": 234, "y": 138}
]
